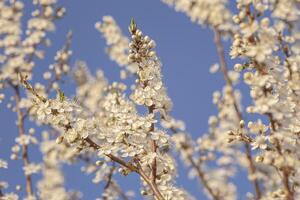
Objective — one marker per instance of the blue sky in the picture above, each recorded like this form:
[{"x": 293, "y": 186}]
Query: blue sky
[{"x": 185, "y": 49}]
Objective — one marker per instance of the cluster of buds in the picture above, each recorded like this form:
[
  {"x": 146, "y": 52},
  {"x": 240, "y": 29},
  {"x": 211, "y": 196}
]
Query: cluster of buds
[{"x": 141, "y": 46}]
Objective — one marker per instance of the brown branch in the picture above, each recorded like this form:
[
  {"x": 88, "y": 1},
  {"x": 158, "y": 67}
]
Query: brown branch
[
  {"x": 120, "y": 192},
  {"x": 198, "y": 170},
  {"x": 152, "y": 185},
  {"x": 290, "y": 193},
  {"x": 20, "y": 125},
  {"x": 65, "y": 48},
  {"x": 28, "y": 87},
  {"x": 285, "y": 170},
  {"x": 202, "y": 178},
  {"x": 154, "y": 147},
  {"x": 221, "y": 54},
  {"x": 109, "y": 181},
  {"x": 131, "y": 167}
]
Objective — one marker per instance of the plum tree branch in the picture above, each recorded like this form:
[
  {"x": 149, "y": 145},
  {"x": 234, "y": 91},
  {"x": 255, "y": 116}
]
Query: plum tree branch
[{"x": 221, "y": 54}]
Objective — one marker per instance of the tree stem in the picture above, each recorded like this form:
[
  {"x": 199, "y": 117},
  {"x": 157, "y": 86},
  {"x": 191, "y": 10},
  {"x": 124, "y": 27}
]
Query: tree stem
[
  {"x": 20, "y": 125},
  {"x": 221, "y": 54},
  {"x": 131, "y": 167},
  {"x": 154, "y": 147}
]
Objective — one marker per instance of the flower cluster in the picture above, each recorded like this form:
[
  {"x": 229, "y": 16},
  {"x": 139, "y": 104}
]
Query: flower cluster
[
  {"x": 64, "y": 115},
  {"x": 150, "y": 90}
]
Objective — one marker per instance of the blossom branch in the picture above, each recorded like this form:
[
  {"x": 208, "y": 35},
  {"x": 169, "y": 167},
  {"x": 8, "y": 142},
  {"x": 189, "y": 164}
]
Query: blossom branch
[
  {"x": 92, "y": 144},
  {"x": 131, "y": 167},
  {"x": 154, "y": 147},
  {"x": 142, "y": 54},
  {"x": 202, "y": 178},
  {"x": 121, "y": 193},
  {"x": 151, "y": 184},
  {"x": 221, "y": 54},
  {"x": 285, "y": 170},
  {"x": 110, "y": 180},
  {"x": 20, "y": 125},
  {"x": 200, "y": 172}
]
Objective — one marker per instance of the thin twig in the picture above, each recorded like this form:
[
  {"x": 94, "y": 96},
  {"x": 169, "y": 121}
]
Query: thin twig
[
  {"x": 120, "y": 192},
  {"x": 131, "y": 167},
  {"x": 199, "y": 171},
  {"x": 20, "y": 125},
  {"x": 154, "y": 147},
  {"x": 285, "y": 170},
  {"x": 202, "y": 178},
  {"x": 221, "y": 54},
  {"x": 109, "y": 181},
  {"x": 152, "y": 185}
]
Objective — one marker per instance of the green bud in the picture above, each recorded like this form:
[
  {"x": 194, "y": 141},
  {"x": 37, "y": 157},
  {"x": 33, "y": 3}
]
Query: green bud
[
  {"x": 132, "y": 26},
  {"x": 61, "y": 95}
]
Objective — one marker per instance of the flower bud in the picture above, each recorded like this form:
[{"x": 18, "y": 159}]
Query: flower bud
[
  {"x": 99, "y": 163},
  {"x": 242, "y": 124},
  {"x": 59, "y": 140},
  {"x": 259, "y": 159},
  {"x": 151, "y": 53},
  {"x": 151, "y": 44},
  {"x": 132, "y": 26},
  {"x": 146, "y": 38}
]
